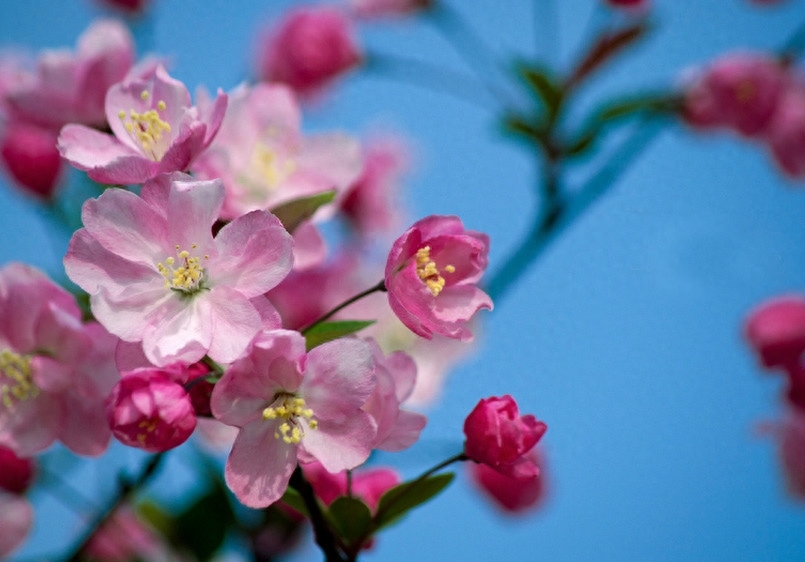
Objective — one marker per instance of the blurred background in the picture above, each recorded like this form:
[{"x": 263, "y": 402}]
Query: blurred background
[{"x": 624, "y": 337}]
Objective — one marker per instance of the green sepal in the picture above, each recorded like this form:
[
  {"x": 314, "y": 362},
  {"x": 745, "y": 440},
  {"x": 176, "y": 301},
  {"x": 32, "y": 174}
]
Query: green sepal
[
  {"x": 398, "y": 501},
  {"x": 293, "y": 213},
  {"x": 327, "y": 331}
]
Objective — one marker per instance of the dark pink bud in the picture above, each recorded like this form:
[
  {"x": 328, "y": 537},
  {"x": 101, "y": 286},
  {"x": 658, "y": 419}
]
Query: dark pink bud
[
  {"x": 372, "y": 9},
  {"x": 776, "y": 330},
  {"x": 148, "y": 410},
  {"x": 16, "y": 473},
  {"x": 498, "y": 436},
  {"x": 628, "y": 3},
  {"x": 786, "y": 134},
  {"x": 512, "y": 495},
  {"x": 130, "y": 7},
  {"x": 30, "y": 155}
]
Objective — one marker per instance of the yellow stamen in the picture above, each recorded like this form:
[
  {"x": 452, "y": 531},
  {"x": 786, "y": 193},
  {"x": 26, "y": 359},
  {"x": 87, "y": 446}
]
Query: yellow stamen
[
  {"x": 290, "y": 408},
  {"x": 16, "y": 382},
  {"x": 188, "y": 277},
  {"x": 148, "y": 129},
  {"x": 429, "y": 273}
]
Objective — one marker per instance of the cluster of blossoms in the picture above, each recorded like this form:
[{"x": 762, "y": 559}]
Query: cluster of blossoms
[
  {"x": 207, "y": 278},
  {"x": 759, "y": 97}
]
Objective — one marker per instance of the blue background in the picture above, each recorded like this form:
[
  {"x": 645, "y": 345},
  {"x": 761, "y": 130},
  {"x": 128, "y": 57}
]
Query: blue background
[{"x": 624, "y": 337}]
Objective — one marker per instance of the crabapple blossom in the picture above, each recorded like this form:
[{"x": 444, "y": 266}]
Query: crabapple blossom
[
  {"x": 55, "y": 371},
  {"x": 371, "y": 9},
  {"x": 30, "y": 156},
  {"x": 291, "y": 405},
  {"x": 776, "y": 330},
  {"x": 512, "y": 495},
  {"x": 125, "y": 538},
  {"x": 367, "y": 484},
  {"x": 308, "y": 49},
  {"x": 156, "y": 131},
  {"x": 499, "y": 437},
  {"x": 431, "y": 276},
  {"x": 16, "y": 518},
  {"x": 156, "y": 274}
]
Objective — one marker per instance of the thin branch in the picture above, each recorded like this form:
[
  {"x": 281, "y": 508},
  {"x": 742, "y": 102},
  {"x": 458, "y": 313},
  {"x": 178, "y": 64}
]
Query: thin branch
[
  {"x": 375, "y": 288},
  {"x": 324, "y": 535}
]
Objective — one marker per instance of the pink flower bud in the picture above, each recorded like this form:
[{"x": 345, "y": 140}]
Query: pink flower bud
[
  {"x": 30, "y": 155},
  {"x": 786, "y": 133},
  {"x": 629, "y": 4},
  {"x": 16, "y": 473},
  {"x": 498, "y": 436},
  {"x": 371, "y": 9},
  {"x": 512, "y": 495},
  {"x": 148, "y": 410},
  {"x": 128, "y": 7},
  {"x": 309, "y": 48},
  {"x": 776, "y": 330}
]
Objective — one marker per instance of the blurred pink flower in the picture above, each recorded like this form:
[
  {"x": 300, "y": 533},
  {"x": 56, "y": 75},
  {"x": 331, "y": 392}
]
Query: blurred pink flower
[
  {"x": 16, "y": 473},
  {"x": 128, "y": 7},
  {"x": 368, "y": 485},
  {"x": 155, "y": 273},
  {"x": 16, "y": 518},
  {"x": 55, "y": 371},
  {"x": 431, "y": 276},
  {"x": 125, "y": 538},
  {"x": 156, "y": 131},
  {"x": 512, "y": 495},
  {"x": 291, "y": 405},
  {"x": 629, "y": 4},
  {"x": 499, "y": 437},
  {"x": 371, "y": 9},
  {"x": 776, "y": 331},
  {"x": 30, "y": 156},
  {"x": 309, "y": 49},
  {"x": 786, "y": 133}
]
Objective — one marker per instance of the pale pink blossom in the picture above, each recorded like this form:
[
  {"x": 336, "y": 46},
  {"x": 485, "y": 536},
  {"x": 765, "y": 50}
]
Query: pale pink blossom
[
  {"x": 499, "y": 437},
  {"x": 16, "y": 518},
  {"x": 55, "y": 371},
  {"x": 776, "y": 331},
  {"x": 431, "y": 276},
  {"x": 30, "y": 156},
  {"x": 16, "y": 473},
  {"x": 156, "y": 130},
  {"x": 512, "y": 495},
  {"x": 368, "y": 485},
  {"x": 308, "y": 49},
  {"x": 294, "y": 406},
  {"x": 156, "y": 275},
  {"x": 372, "y": 9},
  {"x": 786, "y": 133}
]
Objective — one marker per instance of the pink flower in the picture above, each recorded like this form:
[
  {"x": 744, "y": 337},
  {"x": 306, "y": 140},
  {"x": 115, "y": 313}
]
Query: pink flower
[
  {"x": 129, "y": 7},
  {"x": 431, "y": 277},
  {"x": 512, "y": 495},
  {"x": 147, "y": 409},
  {"x": 263, "y": 158},
  {"x": 629, "y": 4},
  {"x": 368, "y": 485},
  {"x": 156, "y": 131},
  {"x": 16, "y": 473},
  {"x": 498, "y": 436},
  {"x": 125, "y": 538},
  {"x": 291, "y": 405},
  {"x": 786, "y": 133},
  {"x": 738, "y": 91},
  {"x": 776, "y": 330},
  {"x": 71, "y": 87},
  {"x": 55, "y": 372},
  {"x": 371, "y": 9},
  {"x": 30, "y": 155},
  {"x": 309, "y": 49},
  {"x": 16, "y": 518},
  {"x": 156, "y": 275}
]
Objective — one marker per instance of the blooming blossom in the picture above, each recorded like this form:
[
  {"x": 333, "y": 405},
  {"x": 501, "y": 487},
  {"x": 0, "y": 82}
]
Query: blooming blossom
[
  {"x": 291, "y": 405},
  {"x": 156, "y": 131},
  {"x": 156, "y": 275},
  {"x": 55, "y": 371},
  {"x": 499, "y": 437},
  {"x": 431, "y": 276},
  {"x": 309, "y": 49}
]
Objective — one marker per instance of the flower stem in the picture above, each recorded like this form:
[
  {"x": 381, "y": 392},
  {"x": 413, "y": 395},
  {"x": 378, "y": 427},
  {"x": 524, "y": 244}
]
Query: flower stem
[
  {"x": 321, "y": 530},
  {"x": 373, "y": 289}
]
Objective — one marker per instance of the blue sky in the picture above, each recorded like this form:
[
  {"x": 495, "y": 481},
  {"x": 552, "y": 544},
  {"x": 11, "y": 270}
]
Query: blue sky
[{"x": 624, "y": 337}]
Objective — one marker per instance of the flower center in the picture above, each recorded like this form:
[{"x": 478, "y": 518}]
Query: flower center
[
  {"x": 428, "y": 272},
  {"x": 185, "y": 274},
  {"x": 148, "y": 129},
  {"x": 289, "y": 408},
  {"x": 16, "y": 383},
  {"x": 267, "y": 170}
]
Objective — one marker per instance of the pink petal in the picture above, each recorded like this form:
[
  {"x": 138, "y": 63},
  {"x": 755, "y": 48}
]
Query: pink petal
[
  {"x": 340, "y": 445},
  {"x": 184, "y": 334},
  {"x": 16, "y": 518},
  {"x": 236, "y": 323},
  {"x": 193, "y": 206}
]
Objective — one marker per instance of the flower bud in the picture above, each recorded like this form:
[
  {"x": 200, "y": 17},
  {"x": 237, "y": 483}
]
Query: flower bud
[
  {"x": 512, "y": 495},
  {"x": 776, "y": 330},
  {"x": 30, "y": 155},
  {"x": 16, "y": 473}
]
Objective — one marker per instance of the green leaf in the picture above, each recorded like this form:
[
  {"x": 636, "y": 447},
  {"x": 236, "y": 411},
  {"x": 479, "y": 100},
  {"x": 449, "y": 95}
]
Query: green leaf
[
  {"x": 203, "y": 526},
  {"x": 606, "y": 47},
  {"x": 401, "y": 499},
  {"x": 550, "y": 92},
  {"x": 156, "y": 517},
  {"x": 293, "y": 213},
  {"x": 294, "y": 499},
  {"x": 327, "y": 331},
  {"x": 351, "y": 518}
]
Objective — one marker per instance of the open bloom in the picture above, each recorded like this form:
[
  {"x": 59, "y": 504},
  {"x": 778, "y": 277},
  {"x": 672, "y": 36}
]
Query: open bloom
[
  {"x": 156, "y": 275},
  {"x": 499, "y": 437},
  {"x": 431, "y": 276},
  {"x": 156, "y": 130},
  {"x": 55, "y": 371},
  {"x": 291, "y": 405}
]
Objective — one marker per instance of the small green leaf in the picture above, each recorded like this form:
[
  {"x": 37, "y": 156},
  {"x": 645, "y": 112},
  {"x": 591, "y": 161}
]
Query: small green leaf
[
  {"x": 401, "y": 499},
  {"x": 156, "y": 517},
  {"x": 544, "y": 85},
  {"x": 292, "y": 498},
  {"x": 605, "y": 48},
  {"x": 351, "y": 518},
  {"x": 293, "y": 213},
  {"x": 327, "y": 331}
]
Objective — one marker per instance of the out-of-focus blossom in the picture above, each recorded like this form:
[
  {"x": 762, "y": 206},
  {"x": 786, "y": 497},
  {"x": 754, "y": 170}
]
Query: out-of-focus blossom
[
  {"x": 128, "y": 7},
  {"x": 368, "y": 485},
  {"x": 55, "y": 371},
  {"x": 512, "y": 495},
  {"x": 291, "y": 405},
  {"x": 125, "y": 538},
  {"x": 16, "y": 518},
  {"x": 71, "y": 87},
  {"x": 629, "y": 4},
  {"x": 371, "y": 9},
  {"x": 791, "y": 435},
  {"x": 786, "y": 133},
  {"x": 30, "y": 156},
  {"x": 147, "y": 409},
  {"x": 16, "y": 473},
  {"x": 499, "y": 437},
  {"x": 740, "y": 91},
  {"x": 155, "y": 273},
  {"x": 776, "y": 331},
  {"x": 397, "y": 429},
  {"x": 371, "y": 204},
  {"x": 431, "y": 277},
  {"x": 309, "y": 49},
  {"x": 264, "y": 159},
  {"x": 156, "y": 131}
]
